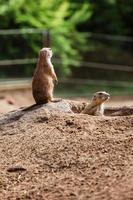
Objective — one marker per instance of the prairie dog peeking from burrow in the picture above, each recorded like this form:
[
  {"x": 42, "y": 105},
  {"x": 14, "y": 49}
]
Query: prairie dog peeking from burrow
[
  {"x": 44, "y": 78},
  {"x": 96, "y": 106}
]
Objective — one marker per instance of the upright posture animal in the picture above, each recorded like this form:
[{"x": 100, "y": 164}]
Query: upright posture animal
[
  {"x": 44, "y": 78},
  {"x": 96, "y": 107}
]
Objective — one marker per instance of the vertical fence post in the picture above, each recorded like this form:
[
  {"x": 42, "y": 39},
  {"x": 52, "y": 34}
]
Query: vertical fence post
[{"x": 46, "y": 39}]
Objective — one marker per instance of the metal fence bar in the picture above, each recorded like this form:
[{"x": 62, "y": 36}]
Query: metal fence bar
[
  {"x": 97, "y": 82},
  {"x": 21, "y": 31},
  {"x": 41, "y": 30},
  {"x": 97, "y": 65},
  {"x": 71, "y": 81},
  {"x": 46, "y": 39},
  {"x": 108, "y": 66},
  {"x": 112, "y": 37},
  {"x": 18, "y": 61}
]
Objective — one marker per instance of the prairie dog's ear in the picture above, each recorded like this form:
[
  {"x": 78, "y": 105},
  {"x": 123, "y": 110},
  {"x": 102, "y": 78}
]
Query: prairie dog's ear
[{"x": 49, "y": 52}]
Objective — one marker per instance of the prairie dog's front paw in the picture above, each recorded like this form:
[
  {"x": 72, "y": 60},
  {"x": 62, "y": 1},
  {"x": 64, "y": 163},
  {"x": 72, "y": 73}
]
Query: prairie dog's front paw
[{"x": 56, "y": 81}]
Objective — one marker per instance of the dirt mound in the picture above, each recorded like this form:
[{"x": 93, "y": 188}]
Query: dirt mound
[{"x": 55, "y": 155}]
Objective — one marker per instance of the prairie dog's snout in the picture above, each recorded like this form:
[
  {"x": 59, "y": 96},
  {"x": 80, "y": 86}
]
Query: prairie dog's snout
[{"x": 101, "y": 96}]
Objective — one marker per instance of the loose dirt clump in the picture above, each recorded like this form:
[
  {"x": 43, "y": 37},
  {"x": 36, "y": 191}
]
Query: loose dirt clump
[{"x": 50, "y": 154}]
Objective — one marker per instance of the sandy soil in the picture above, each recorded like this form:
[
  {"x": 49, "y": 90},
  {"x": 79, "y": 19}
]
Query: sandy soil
[{"x": 52, "y": 155}]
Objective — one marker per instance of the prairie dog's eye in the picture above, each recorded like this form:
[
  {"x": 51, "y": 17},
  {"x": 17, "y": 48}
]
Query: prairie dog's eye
[
  {"x": 100, "y": 93},
  {"x": 94, "y": 97}
]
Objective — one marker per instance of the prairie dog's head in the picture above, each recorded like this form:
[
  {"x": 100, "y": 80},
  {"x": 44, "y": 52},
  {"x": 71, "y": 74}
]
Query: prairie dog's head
[
  {"x": 100, "y": 97},
  {"x": 46, "y": 53}
]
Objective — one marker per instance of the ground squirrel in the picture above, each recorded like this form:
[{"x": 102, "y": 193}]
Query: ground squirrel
[
  {"x": 96, "y": 107},
  {"x": 44, "y": 78}
]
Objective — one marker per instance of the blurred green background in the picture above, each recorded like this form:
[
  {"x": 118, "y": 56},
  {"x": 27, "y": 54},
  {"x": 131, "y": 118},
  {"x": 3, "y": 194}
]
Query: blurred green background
[{"x": 92, "y": 43}]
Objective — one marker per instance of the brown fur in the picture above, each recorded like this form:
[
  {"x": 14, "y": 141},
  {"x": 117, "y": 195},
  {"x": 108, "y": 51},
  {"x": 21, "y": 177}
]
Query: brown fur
[
  {"x": 96, "y": 106},
  {"x": 44, "y": 77}
]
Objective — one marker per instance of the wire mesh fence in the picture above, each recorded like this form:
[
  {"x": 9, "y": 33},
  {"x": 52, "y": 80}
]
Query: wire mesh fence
[{"x": 91, "y": 75}]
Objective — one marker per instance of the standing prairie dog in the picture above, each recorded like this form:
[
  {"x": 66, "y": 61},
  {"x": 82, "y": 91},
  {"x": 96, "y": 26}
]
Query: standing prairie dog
[
  {"x": 96, "y": 107},
  {"x": 44, "y": 77}
]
